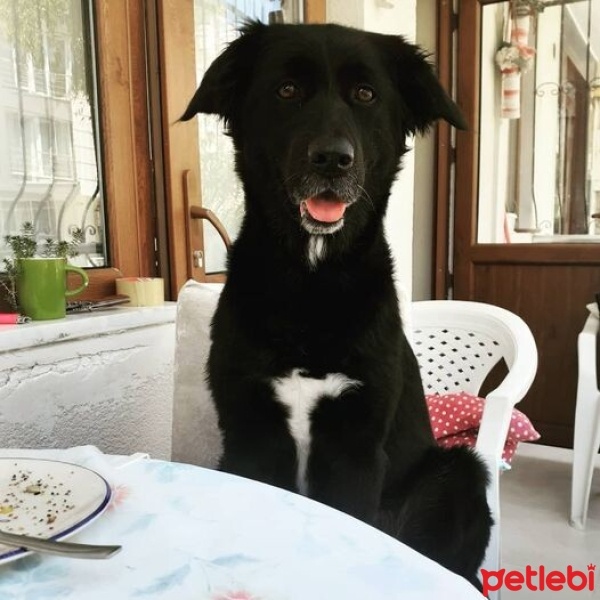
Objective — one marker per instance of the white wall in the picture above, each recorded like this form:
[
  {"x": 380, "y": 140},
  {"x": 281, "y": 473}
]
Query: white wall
[
  {"x": 374, "y": 15},
  {"x": 104, "y": 379},
  {"x": 425, "y": 165}
]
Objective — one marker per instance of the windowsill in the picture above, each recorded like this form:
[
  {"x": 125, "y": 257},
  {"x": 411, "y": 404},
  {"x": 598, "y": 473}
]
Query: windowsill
[{"x": 82, "y": 325}]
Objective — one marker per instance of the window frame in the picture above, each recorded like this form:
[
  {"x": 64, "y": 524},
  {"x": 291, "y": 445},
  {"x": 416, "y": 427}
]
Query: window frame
[
  {"x": 126, "y": 164},
  {"x": 126, "y": 167}
]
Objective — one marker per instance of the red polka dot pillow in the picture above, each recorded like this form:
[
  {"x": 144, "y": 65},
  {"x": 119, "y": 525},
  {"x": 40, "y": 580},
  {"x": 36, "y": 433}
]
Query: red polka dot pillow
[{"x": 455, "y": 420}]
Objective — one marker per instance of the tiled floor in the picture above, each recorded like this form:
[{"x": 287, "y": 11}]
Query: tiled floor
[{"x": 535, "y": 504}]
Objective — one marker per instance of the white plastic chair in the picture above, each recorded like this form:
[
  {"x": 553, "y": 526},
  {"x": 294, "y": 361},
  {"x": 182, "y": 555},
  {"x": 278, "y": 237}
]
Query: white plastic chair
[
  {"x": 457, "y": 344},
  {"x": 587, "y": 423}
]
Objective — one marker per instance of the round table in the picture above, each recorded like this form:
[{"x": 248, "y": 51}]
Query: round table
[{"x": 190, "y": 533}]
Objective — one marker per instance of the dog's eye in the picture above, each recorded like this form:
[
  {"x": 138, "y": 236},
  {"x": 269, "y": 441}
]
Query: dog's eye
[
  {"x": 288, "y": 91},
  {"x": 364, "y": 94}
]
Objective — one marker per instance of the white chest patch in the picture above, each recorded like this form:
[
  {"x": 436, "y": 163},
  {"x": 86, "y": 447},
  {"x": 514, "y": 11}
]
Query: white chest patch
[
  {"x": 316, "y": 250},
  {"x": 300, "y": 394}
]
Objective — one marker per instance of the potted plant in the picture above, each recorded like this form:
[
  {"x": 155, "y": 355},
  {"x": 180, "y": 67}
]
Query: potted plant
[{"x": 36, "y": 273}]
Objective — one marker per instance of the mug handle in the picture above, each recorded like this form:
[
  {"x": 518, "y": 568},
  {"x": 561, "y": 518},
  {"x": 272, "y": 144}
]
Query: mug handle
[{"x": 85, "y": 280}]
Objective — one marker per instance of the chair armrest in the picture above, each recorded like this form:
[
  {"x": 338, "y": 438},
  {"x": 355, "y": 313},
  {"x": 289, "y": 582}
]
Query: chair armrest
[
  {"x": 493, "y": 429},
  {"x": 500, "y": 402}
]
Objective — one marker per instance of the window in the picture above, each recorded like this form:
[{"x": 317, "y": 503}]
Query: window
[
  {"x": 73, "y": 101},
  {"x": 50, "y": 170},
  {"x": 540, "y": 118}
]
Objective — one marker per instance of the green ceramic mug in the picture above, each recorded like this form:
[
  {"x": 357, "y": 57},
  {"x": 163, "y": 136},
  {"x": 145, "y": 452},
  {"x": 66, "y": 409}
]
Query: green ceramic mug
[{"x": 42, "y": 287}]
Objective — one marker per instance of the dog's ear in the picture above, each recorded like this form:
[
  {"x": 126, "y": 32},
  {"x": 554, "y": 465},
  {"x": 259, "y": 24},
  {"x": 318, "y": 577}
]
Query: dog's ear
[
  {"x": 425, "y": 98},
  {"x": 226, "y": 76}
]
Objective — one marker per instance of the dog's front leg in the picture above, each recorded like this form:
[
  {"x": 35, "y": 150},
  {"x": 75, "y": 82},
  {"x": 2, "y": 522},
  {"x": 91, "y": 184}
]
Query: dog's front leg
[
  {"x": 256, "y": 439},
  {"x": 347, "y": 480},
  {"x": 347, "y": 462}
]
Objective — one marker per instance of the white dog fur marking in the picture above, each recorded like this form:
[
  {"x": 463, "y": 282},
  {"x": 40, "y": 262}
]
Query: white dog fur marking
[
  {"x": 316, "y": 249},
  {"x": 300, "y": 394}
]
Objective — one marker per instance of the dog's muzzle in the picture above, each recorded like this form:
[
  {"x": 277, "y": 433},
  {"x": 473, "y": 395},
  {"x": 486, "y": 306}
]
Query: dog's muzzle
[{"x": 330, "y": 186}]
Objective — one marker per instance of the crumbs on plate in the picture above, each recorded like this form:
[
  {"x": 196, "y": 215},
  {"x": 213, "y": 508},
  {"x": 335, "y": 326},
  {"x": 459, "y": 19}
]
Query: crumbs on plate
[{"x": 29, "y": 503}]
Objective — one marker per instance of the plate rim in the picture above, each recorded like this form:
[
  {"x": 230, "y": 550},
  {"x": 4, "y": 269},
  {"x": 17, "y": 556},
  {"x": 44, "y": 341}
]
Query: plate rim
[{"x": 21, "y": 552}]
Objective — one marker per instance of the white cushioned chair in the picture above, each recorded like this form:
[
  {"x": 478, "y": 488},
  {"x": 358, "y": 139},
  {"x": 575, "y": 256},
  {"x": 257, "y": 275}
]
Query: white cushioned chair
[{"x": 457, "y": 344}]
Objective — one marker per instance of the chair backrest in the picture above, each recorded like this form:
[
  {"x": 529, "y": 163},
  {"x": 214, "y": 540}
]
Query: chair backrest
[
  {"x": 457, "y": 343},
  {"x": 196, "y": 433}
]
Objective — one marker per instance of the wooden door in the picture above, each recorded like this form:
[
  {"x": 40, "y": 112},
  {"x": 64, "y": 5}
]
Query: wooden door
[{"x": 547, "y": 284}]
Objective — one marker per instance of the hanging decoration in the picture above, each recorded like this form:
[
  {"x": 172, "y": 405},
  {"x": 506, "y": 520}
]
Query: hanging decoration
[{"x": 515, "y": 57}]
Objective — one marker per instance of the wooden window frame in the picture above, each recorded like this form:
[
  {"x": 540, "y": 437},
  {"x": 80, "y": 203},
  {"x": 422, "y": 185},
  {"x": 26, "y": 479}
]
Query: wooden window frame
[
  {"x": 315, "y": 11},
  {"x": 119, "y": 29}
]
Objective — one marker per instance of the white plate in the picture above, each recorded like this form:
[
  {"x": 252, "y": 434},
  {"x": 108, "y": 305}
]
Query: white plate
[{"x": 47, "y": 499}]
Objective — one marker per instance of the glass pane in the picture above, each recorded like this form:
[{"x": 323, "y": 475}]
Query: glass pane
[
  {"x": 216, "y": 23},
  {"x": 49, "y": 156},
  {"x": 539, "y": 176}
]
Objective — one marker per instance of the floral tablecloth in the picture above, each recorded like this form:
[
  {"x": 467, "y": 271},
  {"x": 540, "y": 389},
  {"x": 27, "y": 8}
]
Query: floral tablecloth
[{"x": 194, "y": 534}]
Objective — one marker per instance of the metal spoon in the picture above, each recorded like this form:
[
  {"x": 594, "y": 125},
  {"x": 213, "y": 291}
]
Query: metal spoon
[{"x": 56, "y": 547}]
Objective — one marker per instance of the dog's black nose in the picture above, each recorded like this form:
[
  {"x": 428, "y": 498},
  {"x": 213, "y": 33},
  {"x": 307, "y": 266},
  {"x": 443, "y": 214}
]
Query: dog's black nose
[{"x": 331, "y": 154}]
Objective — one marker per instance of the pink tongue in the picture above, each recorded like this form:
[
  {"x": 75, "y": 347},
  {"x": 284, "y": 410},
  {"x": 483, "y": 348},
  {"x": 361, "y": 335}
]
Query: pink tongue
[{"x": 326, "y": 211}]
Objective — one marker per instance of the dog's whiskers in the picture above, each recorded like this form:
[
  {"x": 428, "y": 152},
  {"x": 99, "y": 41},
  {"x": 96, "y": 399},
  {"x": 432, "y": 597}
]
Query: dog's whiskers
[{"x": 366, "y": 195}]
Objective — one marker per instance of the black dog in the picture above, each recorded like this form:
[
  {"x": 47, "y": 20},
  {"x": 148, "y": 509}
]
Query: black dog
[{"x": 316, "y": 387}]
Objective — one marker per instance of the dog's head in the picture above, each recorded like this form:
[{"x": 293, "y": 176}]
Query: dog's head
[{"x": 319, "y": 116}]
